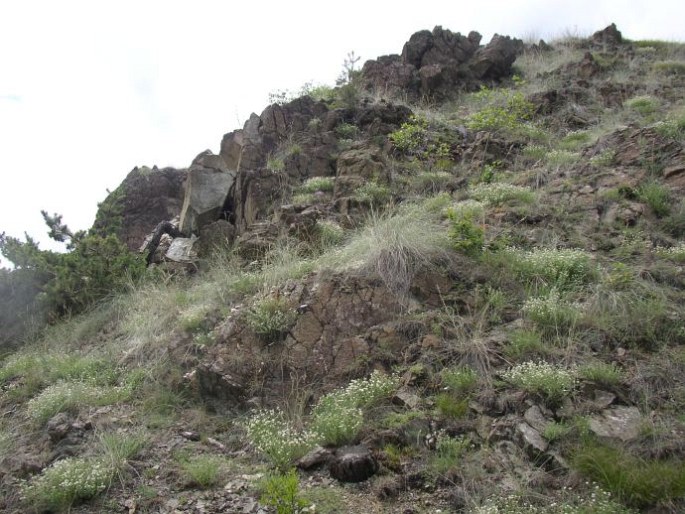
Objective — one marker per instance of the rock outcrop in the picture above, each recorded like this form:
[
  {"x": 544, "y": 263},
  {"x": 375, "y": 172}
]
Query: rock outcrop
[
  {"x": 145, "y": 197},
  {"x": 438, "y": 64}
]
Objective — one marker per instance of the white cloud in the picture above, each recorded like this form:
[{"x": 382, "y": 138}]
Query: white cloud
[{"x": 88, "y": 90}]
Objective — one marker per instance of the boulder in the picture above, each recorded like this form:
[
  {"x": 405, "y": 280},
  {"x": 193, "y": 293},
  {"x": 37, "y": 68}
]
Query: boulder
[
  {"x": 217, "y": 235},
  {"x": 209, "y": 182},
  {"x": 367, "y": 163},
  {"x": 353, "y": 464},
  {"x": 494, "y": 61},
  {"x": 145, "y": 197},
  {"x": 182, "y": 250},
  {"x": 608, "y": 36},
  {"x": 618, "y": 422}
]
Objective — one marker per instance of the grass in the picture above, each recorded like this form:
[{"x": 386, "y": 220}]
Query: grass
[
  {"x": 636, "y": 481},
  {"x": 203, "y": 471},
  {"x": 551, "y": 383},
  {"x": 657, "y": 197},
  {"x": 271, "y": 318}
]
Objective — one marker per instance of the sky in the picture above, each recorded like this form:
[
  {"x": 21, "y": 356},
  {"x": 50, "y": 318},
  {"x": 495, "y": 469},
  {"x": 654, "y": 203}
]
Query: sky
[{"x": 91, "y": 89}]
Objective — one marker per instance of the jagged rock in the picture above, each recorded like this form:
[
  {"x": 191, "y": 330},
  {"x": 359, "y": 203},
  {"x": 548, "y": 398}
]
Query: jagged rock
[
  {"x": 258, "y": 241},
  {"x": 439, "y": 63},
  {"x": 182, "y": 250},
  {"x": 353, "y": 464},
  {"x": 208, "y": 185},
  {"x": 531, "y": 438},
  {"x": 214, "y": 381},
  {"x": 536, "y": 419},
  {"x": 617, "y": 422},
  {"x": 608, "y": 36},
  {"x": 217, "y": 235},
  {"x": 639, "y": 147},
  {"x": 145, "y": 197},
  {"x": 59, "y": 426},
  {"x": 494, "y": 61},
  {"x": 316, "y": 457},
  {"x": 407, "y": 398},
  {"x": 602, "y": 399},
  {"x": 588, "y": 67}
]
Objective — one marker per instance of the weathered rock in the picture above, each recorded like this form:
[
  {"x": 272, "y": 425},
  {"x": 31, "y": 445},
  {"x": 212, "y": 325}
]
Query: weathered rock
[
  {"x": 182, "y": 250},
  {"x": 215, "y": 381},
  {"x": 59, "y": 426},
  {"x": 531, "y": 438},
  {"x": 353, "y": 464},
  {"x": 209, "y": 182},
  {"x": 641, "y": 147},
  {"x": 316, "y": 457},
  {"x": 215, "y": 236},
  {"x": 368, "y": 163},
  {"x": 536, "y": 419},
  {"x": 608, "y": 36},
  {"x": 588, "y": 67},
  {"x": 618, "y": 422},
  {"x": 407, "y": 398},
  {"x": 602, "y": 399},
  {"x": 439, "y": 63},
  {"x": 145, "y": 197}
]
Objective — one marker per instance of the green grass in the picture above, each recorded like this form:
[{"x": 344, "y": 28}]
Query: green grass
[
  {"x": 203, "y": 471},
  {"x": 638, "y": 482},
  {"x": 271, "y": 318},
  {"x": 657, "y": 197}
]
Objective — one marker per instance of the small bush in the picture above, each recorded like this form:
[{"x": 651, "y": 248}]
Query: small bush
[
  {"x": 555, "y": 431},
  {"x": 603, "y": 159},
  {"x": 575, "y": 140},
  {"x": 470, "y": 209},
  {"x": 561, "y": 159},
  {"x": 271, "y": 318},
  {"x": 282, "y": 492},
  {"x": 561, "y": 268},
  {"x": 552, "y": 383},
  {"x": 460, "y": 381},
  {"x": 270, "y": 433},
  {"x": 346, "y": 131},
  {"x": 633, "y": 480},
  {"x": 500, "y": 193},
  {"x": 67, "y": 481},
  {"x": 467, "y": 237},
  {"x": 451, "y": 407},
  {"x": 673, "y": 128},
  {"x": 430, "y": 181},
  {"x": 120, "y": 447},
  {"x": 673, "y": 253},
  {"x": 510, "y": 115},
  {"x": 203, "y": 470}
]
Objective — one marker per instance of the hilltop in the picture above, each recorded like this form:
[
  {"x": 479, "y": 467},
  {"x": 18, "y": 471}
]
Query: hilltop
[{"x": 451, "y": 283}]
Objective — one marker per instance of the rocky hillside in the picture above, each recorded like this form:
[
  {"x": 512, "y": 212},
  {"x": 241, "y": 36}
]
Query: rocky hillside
[{"x": 452, "y": 283}]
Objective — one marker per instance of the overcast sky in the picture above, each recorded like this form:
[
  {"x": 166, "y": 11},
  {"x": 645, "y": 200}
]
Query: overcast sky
[{"x": 90, "y": 89}]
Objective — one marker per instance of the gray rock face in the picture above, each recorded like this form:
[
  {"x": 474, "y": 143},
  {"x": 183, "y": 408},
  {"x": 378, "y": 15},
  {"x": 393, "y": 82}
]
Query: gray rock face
[
  {"x": 182, "y": 250},
  {"x": 619, "y": 422},
  {"x": 531, "y": 438},
  {"x": 208, "y": 185}
]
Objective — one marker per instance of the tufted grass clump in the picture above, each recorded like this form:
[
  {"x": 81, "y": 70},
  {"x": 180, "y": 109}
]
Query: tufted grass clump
[
  {"x": 448, "y": 451},
  {"x": 203, "y": 471},
  {"x": 635, "y": 481},
  {"x": 282, "y": 492},
  {"x": 644, "y": 105},
  {"x": 552, "y": 314},
  {"x": 338, "y": 416},
  {"x": 279, "y": 439},
  {"x": 561, "y": 268},
  {"x": 506, "y": 111},
  {"x": 472, "y": 209},
  {"x": 271, "y": 318},
  {"x": 603, "y": 159},
  {"x": 316, "y": 184},
  {"x": 656, "y": 196},
  {"x": 118, "y": 448},
  {"x": 373, "y": 193},
  {"x": 601, "y": 373},
  {"x": 67, "y": 481},
  {"x": 552, "y": 383},
  {"x": 561, "y": 159},
  {"x": 500, "y": 193},
  {"x": 466, "y": 236},
  {"x": 575, "y": 140},
  {"x": 674, "y": 127},
  {"x": 64, "y": 396}
]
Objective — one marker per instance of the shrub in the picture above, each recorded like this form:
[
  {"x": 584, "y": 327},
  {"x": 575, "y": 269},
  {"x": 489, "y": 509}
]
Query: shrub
[
  {"x": 636, "y": 481},
  {"x": 511, "y": 114},
  {"x": 281, "y": 491},
  {"x": 412, "y": 136},
  {"x": 67, "y": 481},
  {"x": 460, "y": 381},
  {"x": 500, "y": 193},
  {"x": 452, "y": 407},
  {"x": 561, "y": 159},
  {"x": 555, "y": 431},
  {"x": 552, "y": 383},
  {"x": 203, "y": 470},
  {"x": 466, "y": 237},
  {"x": 673, "y": 128},
  {"x": 271, "y": 434},
  {"x": 430, "y": 181},
  {"x": 338, "y": 416},
  {"x": 535, "y": 152},
  {"x": 574, "y": 140},
  {"x": 603, "y": 159},
  {"x": 561, "y": 268},
  {"x": 329, "y": 233},
  {"x": 271, "y": 318}
]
